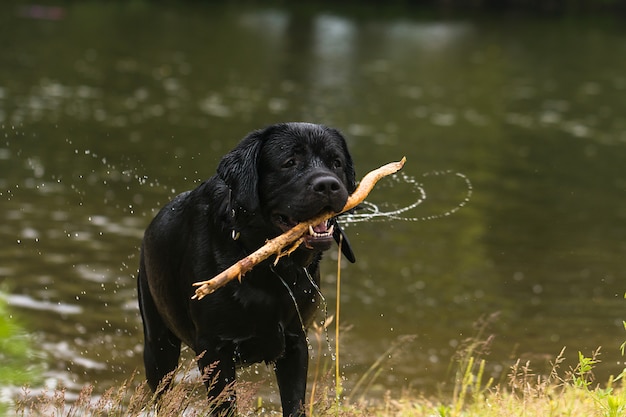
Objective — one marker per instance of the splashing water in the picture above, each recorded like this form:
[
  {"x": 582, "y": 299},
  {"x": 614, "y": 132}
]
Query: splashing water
[{"x": 374, "y": 212}]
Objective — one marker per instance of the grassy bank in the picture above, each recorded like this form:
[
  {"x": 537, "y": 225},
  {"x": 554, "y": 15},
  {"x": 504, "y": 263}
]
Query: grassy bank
[
  {"x": 572, "y": 392},
  {"x": 559, "y": 392}
]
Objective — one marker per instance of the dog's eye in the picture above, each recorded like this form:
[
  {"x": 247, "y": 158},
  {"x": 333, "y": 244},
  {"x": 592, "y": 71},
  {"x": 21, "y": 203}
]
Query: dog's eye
[
  {"x": 289, "y": 163},
  {"x": 337, "y": 163}
]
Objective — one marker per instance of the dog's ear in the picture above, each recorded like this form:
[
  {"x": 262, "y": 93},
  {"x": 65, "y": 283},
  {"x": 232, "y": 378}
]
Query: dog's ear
[
  {"x": 239, "y": 170},
  {"x": 338, "y": 233}
]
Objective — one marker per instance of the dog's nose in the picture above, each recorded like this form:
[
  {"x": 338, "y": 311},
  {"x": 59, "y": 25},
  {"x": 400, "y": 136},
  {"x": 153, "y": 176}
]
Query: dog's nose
[{"x": 327, "y": 185}]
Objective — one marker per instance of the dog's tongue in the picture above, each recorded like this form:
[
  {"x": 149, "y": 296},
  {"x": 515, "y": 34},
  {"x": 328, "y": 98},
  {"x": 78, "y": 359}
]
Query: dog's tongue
[{"x": 321, "y": 228}]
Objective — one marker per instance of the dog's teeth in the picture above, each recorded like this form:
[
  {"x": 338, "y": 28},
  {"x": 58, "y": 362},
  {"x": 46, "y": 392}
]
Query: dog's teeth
[{"x": 327, "y": 233}]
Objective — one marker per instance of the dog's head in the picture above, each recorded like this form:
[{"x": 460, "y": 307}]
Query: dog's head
[{"x": 288, "y": 173}]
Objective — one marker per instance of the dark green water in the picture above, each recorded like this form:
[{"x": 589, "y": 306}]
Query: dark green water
[{"x": 107, "y": 111}]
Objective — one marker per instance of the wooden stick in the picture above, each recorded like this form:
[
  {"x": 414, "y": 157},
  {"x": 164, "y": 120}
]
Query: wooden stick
[{"x": 293, "y": 237}]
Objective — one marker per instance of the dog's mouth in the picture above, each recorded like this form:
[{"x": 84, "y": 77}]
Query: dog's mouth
[{"x": 318, "y": 237}]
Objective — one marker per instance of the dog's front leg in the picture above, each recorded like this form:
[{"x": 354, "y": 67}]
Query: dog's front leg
[{"x": 291, "y": 374}]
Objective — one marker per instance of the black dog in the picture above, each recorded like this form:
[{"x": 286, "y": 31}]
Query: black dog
[{"x": 275, "y": 178}]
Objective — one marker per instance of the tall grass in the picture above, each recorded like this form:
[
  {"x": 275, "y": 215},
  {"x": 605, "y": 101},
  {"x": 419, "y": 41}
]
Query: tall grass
[
  {"x": 132, "y": 398},
  {"x": 571, "y": 392}
]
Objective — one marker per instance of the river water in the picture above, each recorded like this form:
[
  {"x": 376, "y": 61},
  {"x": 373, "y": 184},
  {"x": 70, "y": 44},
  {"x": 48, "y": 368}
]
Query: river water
[{"x": 514, "y": 129}]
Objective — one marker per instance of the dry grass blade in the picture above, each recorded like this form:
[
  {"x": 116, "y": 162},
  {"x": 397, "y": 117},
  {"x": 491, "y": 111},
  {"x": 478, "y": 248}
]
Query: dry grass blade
[{"x": 291, "y": 239}]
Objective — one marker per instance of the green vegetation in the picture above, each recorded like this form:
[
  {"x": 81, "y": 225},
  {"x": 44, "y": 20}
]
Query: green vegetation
[{"x": 16, "y": 353}]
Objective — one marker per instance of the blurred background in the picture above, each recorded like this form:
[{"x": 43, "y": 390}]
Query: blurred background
[{"x": 511, "y": 115}]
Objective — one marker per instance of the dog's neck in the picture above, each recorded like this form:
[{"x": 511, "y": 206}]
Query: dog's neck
[
  {"x": 238, "y": 218},
  {"x": 241, "y": 221}
]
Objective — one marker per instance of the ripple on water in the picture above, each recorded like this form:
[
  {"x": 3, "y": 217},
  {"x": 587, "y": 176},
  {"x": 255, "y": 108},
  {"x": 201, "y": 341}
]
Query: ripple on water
[
  {"x": 128, "y": 226},
  {"x": 92, "y": 274},
  {"x": 66, "y": 351},
  {"x": 25, "y": 301}
]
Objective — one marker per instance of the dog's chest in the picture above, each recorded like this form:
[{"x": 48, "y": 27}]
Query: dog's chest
[
  {"x": 278, "y": 305},
  {"x": 268, "y": 314}
]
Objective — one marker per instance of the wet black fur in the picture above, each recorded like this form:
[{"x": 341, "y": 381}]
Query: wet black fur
[{"x": 273, "y": 172}]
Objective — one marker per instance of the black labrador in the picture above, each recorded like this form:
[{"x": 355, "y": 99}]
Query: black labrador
[{"x": 275, "y": 178}]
